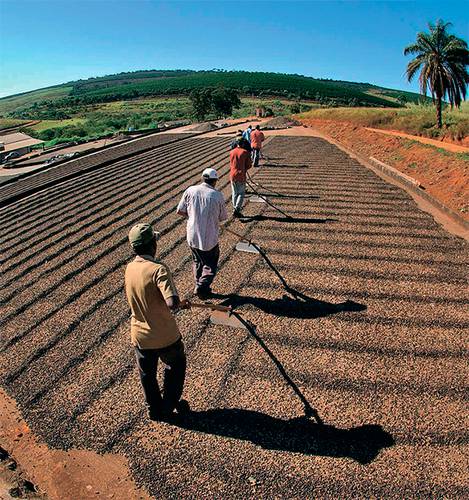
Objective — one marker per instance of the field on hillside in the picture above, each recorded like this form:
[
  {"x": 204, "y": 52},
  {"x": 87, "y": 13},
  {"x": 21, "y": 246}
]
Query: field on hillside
[
  {"x": 413, "y": 119},
  {"x": 95, "y": 121},
  {"x": 13, "y": 103},
  {"x": 50, "y": 124},
  {"x": 10, "y": 122},
  {"x": 59, "y": 101}
]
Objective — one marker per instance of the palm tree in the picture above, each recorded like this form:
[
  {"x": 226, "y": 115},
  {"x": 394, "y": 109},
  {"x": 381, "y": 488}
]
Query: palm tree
[{"x": 443, "y": 59}]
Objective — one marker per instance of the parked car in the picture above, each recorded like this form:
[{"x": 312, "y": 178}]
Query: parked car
[{"x": 11, "y": 156}]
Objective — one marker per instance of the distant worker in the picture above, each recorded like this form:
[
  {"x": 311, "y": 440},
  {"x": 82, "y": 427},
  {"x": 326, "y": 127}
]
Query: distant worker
[
  {"x": 152, "y": 297},
  {"x": 257, "y": 138},
  {"x": 247, "y": 134},
  {"x": 204, "y": 207},
  {"x": 240, "y": 162},
  {"x": 235, "y": 141}
]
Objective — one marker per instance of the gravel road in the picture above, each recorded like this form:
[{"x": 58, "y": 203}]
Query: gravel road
[{"x": 372, "y": 328}]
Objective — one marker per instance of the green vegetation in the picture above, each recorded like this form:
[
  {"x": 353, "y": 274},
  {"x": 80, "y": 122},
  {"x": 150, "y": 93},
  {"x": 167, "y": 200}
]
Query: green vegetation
[
  {"x": 10, "y": 122},
  {"x": 442, "y": 59},
  {"x": 108, "y": 118},
  {"x": 49, "y": 124},
  {"x": 216, "y": 100},
  {"x": 92, "y": 108},
  {"x": 414, "y": 119},
  {"x": 66, "y": 101},
  {"x": 13, "y": 103}
]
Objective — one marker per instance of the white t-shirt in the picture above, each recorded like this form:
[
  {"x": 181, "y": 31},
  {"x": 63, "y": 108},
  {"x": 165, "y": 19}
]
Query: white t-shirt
[{"x": 205, "y": 208}]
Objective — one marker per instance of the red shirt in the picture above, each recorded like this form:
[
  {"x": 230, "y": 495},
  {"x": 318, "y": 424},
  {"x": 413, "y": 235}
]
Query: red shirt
[
  {"x": 240, "y": 161},
  {"x": 257, "y": 137}
]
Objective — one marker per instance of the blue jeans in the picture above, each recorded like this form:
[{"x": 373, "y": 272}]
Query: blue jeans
[{"x": 238, "y": 190}]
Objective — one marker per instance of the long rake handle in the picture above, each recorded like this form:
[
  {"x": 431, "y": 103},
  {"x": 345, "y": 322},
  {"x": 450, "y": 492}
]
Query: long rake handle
[
  {"x": 249, "y": 183},
  {"x": 308, "y": 409},
  {"x": 213, "y": 307},
  {"x": 237, "y": 234},
  {"x": 266, "y": 259}
]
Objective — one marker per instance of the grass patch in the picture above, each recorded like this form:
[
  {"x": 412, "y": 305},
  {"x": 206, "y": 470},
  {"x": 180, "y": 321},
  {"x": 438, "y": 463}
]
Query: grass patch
[
  {"x": 50, "y": 124},
  {"x": 413, "y": 119},
  {"x": 18, "y": 101},
  {"x": 11, "y": 122}
]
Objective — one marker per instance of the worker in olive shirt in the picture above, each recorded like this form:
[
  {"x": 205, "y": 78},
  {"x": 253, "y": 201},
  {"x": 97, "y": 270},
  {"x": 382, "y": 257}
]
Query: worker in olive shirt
[{"x": 152, "y": 297}]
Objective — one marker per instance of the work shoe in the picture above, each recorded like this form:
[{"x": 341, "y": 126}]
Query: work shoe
[
  {"x": 162, "y": 416},
  {"x": 183, "y": 407},
  {"x": 204, "y": 294},
  {"x": 156, "y": 415}
]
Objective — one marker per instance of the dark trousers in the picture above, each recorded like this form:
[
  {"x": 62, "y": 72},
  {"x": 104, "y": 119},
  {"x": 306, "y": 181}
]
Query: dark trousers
[
  {"x": 204, "y": 265},
  {"x": 256, "y": 154},
  {"x": 174, "y": 358}
]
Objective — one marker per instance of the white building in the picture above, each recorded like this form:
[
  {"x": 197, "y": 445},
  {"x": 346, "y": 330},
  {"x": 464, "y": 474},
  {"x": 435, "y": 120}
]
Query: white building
[{"x": 18, "y": 142}]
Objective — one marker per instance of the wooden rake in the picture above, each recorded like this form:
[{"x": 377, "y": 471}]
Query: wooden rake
[{"x": 220, "y": 315}]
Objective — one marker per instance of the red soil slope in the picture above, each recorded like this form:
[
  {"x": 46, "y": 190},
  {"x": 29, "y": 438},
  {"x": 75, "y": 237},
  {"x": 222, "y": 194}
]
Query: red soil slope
[{"x": 443, "y": 174}]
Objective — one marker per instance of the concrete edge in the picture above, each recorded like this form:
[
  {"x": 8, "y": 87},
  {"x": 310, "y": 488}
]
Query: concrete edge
[
  {"x": 416, "y": 187},
  {"x": 443, "y": 215}
]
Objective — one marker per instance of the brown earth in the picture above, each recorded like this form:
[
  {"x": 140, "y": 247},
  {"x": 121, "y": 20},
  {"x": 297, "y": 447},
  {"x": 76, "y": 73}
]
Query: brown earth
[
  {"x": 72, "y": 474},
  {"x": 448, "y": 146},
  {"x": 443, "y": 174}
]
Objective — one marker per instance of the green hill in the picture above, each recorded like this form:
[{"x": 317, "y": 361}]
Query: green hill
[{"x": 60, "y": 100}]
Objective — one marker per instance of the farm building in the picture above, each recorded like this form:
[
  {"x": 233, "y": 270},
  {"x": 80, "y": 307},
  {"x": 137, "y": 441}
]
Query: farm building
[{"x": 16, "y": 142}]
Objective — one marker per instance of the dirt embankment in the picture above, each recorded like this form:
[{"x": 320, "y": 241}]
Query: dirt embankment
[{"x": 443, "y": 174}]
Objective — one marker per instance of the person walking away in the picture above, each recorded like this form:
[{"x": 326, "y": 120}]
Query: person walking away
[
  {"x": 234, "y": 143},
  {"x": 240, "y": 163},
  {"x": 204, "y": 207},
  {"x": 152, "y": 297},
  {"x": 257, "y": 138},
  {"x": 247, "y": 134}
]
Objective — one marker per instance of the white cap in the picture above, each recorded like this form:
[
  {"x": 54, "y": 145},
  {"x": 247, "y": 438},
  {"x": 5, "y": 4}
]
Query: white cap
[{"x": 210, "y": 173}]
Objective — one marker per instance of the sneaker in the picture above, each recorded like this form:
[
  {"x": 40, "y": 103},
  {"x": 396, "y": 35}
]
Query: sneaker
[{"x": 237, "y": 214}]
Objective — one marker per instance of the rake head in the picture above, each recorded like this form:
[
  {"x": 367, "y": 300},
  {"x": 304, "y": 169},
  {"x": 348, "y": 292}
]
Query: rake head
[
  {"x": 257, "y": 199},
  {"x": 244, "y": 246},
  {"x": 226, "y": 319}
]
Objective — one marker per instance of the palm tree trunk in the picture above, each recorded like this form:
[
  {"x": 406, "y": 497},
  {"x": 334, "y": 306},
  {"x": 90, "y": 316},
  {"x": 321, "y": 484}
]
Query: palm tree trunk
[{"x": 438, "y": 112}]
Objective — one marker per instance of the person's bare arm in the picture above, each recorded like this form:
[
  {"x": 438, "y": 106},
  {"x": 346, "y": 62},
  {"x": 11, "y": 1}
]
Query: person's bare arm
[
  {"x": 182, "y": 206},
  {"x": 174, "y": 303}
]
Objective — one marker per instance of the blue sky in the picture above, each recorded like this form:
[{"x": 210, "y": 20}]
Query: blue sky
[{"x": 49, "y": 42}]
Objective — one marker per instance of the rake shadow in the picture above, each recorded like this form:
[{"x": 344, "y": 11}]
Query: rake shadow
[
  {"x": 296, "y": 220},
  {"x": 296, "y": 435}
]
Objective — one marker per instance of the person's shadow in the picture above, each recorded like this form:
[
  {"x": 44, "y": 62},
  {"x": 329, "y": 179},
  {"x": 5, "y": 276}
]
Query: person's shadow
[
  {"x": 298, "y": 305},
  {"x": 297, "y": 435}
]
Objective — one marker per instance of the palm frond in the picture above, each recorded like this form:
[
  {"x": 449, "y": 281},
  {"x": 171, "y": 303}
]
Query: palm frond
[{"x": 442, "y": 59}]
